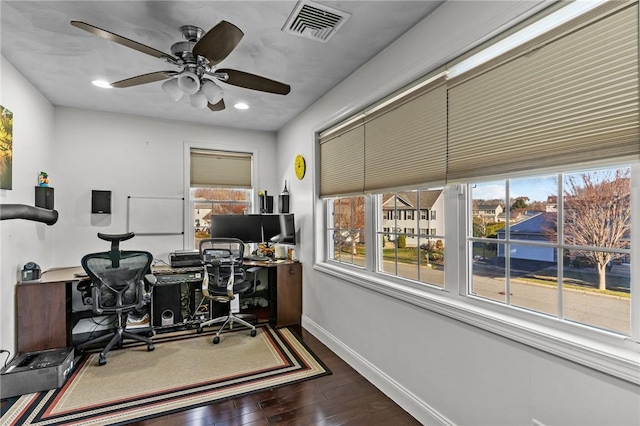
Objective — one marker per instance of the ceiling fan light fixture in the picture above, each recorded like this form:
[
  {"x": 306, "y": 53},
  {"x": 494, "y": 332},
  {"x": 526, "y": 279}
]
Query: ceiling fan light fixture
[
  {"x": 102, "y": 84},
  {"x": 198, "y": 100},
  {"x": 211, "y": 91},
  {"x": 172, "y": 89},
  {"x": 241, "y": 105},
  {"x": 189, "y": 82}
]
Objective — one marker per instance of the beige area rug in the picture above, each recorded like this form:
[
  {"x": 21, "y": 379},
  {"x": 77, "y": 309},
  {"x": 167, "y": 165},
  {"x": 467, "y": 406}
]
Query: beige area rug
[{"x": 181, "y": 373}]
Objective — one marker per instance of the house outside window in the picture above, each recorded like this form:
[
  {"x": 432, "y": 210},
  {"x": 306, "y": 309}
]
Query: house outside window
[{"x": 405, "y": 254}]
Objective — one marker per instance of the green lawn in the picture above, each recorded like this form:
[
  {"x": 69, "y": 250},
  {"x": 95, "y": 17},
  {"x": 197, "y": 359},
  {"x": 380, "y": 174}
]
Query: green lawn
[
  {"x": 405, "y": 255},
  {"x": 409, "y": 255}
]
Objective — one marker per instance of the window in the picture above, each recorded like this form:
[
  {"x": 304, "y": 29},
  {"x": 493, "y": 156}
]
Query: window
[
  {"x": 405, "y": 254},
  {"x": 220, "y": 183},
  {"x": 538, "y": 168},
  {"x": 565, "y": 256},
  {"x": 210, "y": 201},
  {"x": 346, "y": 230}
]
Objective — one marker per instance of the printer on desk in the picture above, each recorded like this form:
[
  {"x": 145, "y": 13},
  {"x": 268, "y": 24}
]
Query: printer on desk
[{"x": 184, "y": 258}]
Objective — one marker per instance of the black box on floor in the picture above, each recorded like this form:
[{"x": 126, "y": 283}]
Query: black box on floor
[{"x": 36, "y": 371}]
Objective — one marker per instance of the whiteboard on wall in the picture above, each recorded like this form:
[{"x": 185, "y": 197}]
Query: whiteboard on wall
[{"x": 155, "y": 215}]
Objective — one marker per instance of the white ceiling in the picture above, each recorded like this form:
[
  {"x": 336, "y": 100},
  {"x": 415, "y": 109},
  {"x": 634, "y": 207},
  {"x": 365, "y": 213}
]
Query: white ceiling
[{"x": 61, "y": 60}]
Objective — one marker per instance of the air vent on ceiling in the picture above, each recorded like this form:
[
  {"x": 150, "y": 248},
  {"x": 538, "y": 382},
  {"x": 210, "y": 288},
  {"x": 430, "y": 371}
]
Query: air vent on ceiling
[{"x": 314, "y": 21}]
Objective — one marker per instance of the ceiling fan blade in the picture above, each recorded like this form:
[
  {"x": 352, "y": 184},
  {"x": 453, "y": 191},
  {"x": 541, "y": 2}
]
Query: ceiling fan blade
[
  {"x": 255, "y": 82},
  {"x": 219, "y": 106},
  {"x": 218, "y": 42},
  {"x": 144, "y": 79},
  {"x": 121, "y": 40}
]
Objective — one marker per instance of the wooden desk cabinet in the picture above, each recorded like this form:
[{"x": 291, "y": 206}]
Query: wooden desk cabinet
[
  {"x": 44, "y": 312},
  {"x": 286, "y": 294}
]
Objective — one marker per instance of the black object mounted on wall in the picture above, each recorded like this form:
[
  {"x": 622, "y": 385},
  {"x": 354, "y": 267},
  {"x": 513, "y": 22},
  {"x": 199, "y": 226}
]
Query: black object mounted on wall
[
  {"x": 283, "y": 200},
  {"x": 100, "y": 202},
  {"x": 44, "y": 197}
]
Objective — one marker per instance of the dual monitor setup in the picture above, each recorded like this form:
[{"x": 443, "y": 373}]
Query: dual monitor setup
[{"x": 255, "y": 228}]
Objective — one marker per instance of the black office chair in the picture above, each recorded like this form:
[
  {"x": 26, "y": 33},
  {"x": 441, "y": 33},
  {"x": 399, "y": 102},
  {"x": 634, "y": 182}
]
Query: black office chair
[
  {"x": 121, "y": 282},
  {"x": 224, "y": 277}
]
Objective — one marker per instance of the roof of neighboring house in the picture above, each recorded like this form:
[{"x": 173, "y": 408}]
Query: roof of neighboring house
[
  {"x": 488, "y": 206},
  {"x": 538, "y": 224},
  {"x": 408, "y": 200}
]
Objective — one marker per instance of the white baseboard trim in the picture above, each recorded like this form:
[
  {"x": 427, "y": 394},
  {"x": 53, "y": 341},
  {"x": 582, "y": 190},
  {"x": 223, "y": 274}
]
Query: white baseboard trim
[{"x": 419, "y": 409}]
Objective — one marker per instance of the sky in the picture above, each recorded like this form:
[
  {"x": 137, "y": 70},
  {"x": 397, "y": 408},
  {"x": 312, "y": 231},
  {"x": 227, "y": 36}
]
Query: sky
[{"x": 536, "y": 188}]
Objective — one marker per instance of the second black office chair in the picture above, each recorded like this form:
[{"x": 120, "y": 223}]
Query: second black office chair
[
  {"x": 224, "y": 277},
  {"x": 118, "y": 287}
]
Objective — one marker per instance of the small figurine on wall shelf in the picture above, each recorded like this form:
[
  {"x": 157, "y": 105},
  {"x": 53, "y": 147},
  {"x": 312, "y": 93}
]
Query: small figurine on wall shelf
[{"x": 43, "y": 179}]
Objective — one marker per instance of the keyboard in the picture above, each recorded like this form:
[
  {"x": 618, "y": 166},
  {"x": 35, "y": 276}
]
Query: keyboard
[{"x": 257, "y": 257}]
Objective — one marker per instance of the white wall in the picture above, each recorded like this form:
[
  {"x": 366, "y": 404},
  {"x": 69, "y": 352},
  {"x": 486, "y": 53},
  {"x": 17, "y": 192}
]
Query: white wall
[
  {"x": 21, "y": 240},
  {"x": 84, "y": 150},
  {"x": 131, "y": 156},
  {"x": 439, "y": 369}
]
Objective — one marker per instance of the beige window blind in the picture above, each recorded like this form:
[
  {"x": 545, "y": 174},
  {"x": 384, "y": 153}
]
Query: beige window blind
[
  {"x": 568, "y": 98},
  {"x": 406, "y": 144},
  {"x": 398, "y": 141},
  {"x": 220, "y": 169},
  {"x": 342, "y": 160}
]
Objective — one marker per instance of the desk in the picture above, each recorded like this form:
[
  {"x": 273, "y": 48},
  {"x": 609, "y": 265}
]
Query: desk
[
  {"x": 285, "y": 291},
  {"x": 44, "y": 310},
  {"x": 44, "y": 319}
]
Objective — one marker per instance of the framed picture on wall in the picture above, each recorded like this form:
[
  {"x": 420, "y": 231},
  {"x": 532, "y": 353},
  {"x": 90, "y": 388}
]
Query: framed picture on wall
[{"x": 6, "y": 148}]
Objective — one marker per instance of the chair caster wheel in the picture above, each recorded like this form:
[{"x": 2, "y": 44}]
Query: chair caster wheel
[
  {"x": 253, "y": 333},
  {"x": 102, "y": 360},
  {"x": 150, "y": 348},
  {"x": 216, "y": 340},
  {"x": 199, "y": 330}
]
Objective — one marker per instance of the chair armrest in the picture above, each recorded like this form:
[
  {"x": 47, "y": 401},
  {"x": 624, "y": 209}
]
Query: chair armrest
[
  {"x": 95, "y": 295},
  {"x": 151, "y": 279}
]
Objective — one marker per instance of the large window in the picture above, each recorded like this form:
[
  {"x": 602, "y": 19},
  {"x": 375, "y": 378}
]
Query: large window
[
  {"x": 531, "y": 157},
  {"x": 565, "y": 256}
]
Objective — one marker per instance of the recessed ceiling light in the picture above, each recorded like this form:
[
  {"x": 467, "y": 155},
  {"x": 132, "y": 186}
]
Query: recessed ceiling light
[
  {"x": 101, "y": 83},
  {"x": 241, "y": 105}
]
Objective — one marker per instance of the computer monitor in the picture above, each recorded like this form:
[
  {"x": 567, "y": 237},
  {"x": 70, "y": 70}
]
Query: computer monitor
[
  {"x": 247, "y": 228},
  {"x": 279, "y": 228}
]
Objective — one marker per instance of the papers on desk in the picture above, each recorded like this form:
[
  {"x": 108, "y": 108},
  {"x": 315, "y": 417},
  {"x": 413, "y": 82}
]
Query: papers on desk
[{"x": 235, "y": 304}]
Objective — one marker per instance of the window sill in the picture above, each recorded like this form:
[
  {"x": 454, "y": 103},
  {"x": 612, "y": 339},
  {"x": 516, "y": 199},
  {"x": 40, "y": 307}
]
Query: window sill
[{"x": 609, "y": 353}]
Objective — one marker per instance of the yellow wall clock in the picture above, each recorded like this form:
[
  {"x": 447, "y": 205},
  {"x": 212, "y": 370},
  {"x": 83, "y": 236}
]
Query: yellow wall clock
[{"x": 300, "y": 166}]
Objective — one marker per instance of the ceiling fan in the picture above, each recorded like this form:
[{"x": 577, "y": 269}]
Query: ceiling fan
[{"x": 196, "y": 57}]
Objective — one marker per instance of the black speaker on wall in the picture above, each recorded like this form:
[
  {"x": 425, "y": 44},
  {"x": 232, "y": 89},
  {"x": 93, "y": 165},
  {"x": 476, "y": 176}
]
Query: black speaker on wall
[
  {"x": 100, "y": 202},
  {"x": 166, "y": 305},
  {"x": 44, "y": 197}
]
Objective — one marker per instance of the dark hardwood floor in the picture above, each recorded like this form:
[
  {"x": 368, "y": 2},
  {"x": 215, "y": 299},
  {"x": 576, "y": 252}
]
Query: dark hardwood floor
[{"x": 342, "y": 398}]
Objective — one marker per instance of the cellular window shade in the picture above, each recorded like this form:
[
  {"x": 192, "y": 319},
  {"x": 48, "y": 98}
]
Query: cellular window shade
[
  {"x": 569, "y": 100},
  {"x": 342, "y": 161},
  {"x": 406, "y": 144},
  {"x": 220, "y": 169}
]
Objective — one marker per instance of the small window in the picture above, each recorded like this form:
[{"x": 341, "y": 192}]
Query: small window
[
  {"x": 346, "y": 230},
  {"x": 403, "y": 253}
]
